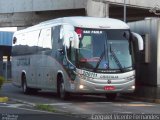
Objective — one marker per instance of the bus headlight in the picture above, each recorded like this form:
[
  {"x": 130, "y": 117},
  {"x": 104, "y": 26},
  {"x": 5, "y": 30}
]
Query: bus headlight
[
  {"x": 81, "y": 86},
  {"x": 133, "y": 87}
]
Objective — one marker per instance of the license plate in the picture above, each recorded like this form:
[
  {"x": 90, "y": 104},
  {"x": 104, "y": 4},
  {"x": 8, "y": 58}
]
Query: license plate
[{"x": 109, "y": 88}]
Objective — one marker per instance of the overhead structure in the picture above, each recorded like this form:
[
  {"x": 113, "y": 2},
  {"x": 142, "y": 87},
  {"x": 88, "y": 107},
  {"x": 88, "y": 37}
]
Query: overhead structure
[{"x": 24, "y": 13}]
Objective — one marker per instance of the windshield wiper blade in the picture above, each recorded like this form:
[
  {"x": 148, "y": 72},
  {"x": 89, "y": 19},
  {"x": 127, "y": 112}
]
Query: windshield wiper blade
[
  {"x": 101, "y": 57},
  {"x": 116, "y": 59}
]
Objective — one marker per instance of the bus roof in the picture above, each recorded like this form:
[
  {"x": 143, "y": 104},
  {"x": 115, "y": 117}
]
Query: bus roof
[
  {"x": 90, "y": 22},
  {"x": 82, "y": 22}
]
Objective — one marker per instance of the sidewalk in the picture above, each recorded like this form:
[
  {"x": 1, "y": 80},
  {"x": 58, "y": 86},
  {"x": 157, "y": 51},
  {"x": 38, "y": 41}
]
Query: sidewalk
[{"x": 4, "y": 99}]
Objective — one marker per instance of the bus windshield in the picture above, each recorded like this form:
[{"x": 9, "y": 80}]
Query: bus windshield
[{"x": 104, "y": 50}]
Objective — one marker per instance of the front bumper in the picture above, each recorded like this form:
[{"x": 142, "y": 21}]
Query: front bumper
[{"x": 90, "y": 87}]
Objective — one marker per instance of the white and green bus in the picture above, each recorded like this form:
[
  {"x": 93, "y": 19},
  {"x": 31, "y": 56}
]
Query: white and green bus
[{"x": 82, "y": 55}]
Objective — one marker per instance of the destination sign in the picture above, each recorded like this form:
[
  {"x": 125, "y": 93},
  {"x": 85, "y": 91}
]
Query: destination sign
[{"x": 92, "y": 32}]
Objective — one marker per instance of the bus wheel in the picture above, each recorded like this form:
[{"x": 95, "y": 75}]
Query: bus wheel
[
  {"x": 111, "y": 96},
  {"x": 25, "y": 89},
  {"x": 62, "y": 93}
]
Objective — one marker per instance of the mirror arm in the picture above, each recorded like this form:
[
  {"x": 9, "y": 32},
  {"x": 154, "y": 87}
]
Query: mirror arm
[{"x": 140, "y": 41}]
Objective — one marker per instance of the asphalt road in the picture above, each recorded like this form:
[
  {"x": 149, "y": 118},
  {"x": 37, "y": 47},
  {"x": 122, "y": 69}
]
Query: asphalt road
[
  {"x": 18, "y": 111},
  {"x": 82, "y": 104},
  {"x": 9, "y": 113},
  {"x": 35, "y": 117}
]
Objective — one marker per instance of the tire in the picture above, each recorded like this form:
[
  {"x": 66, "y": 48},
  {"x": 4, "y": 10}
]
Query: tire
[
  {"x": 25, "y": 89},
  {"x": 33, "y": 90},
  {"x": 111, "y": 96},
  {"x": 61, "y": 90}
]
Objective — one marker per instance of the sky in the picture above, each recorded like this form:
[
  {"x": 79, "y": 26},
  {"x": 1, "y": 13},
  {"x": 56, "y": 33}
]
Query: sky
[{"x": 10, "y": 29}]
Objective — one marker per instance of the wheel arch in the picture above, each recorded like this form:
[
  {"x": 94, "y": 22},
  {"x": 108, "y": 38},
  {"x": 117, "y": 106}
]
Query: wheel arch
[
  {"x": 23, "y": 74},
  {"x": 58, "y": 79},
  {"x": 59, "y": 76}
]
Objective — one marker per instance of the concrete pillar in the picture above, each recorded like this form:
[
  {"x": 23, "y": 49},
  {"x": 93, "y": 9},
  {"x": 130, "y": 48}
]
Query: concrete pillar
[{"x": 97, "y": 9}]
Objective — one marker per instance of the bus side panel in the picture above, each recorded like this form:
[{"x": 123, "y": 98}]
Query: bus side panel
[
  {"x": 48, "y": 72},
  {"x": 15, "y": 72}
]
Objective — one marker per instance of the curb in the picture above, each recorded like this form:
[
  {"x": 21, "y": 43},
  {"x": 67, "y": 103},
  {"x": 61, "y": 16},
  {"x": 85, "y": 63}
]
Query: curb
[
  {"x": 4, "y": 99},
  {"x": 57, "y": 110},
  {"x": 24, "y": 102},
  {"x": 33, "y": 104}
]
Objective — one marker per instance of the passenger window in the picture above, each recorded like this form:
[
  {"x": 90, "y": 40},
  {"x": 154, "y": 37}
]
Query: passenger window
[
  {"x": 32, "y": 38},
  {"x": 44, "y": 42},
  {"x": 47, "y": 39}
]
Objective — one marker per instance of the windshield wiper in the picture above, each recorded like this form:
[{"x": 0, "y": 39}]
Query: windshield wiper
[
  {"x": 101, "y": 57},
  {"x": 116, "y": 59}
]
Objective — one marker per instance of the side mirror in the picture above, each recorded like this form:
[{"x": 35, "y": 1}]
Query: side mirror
[
  {"x": 71, "y": 37},
  {"x": 140, "y": 40},
  {"x": 68, "y": 36},
  {"x": 75, "y": 41}
]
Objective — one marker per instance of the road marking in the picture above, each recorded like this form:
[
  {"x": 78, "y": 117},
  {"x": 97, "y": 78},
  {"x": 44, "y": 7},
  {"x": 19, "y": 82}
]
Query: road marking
[
  {"x": 123, "y": 112},
  {"x": 3, "y": 103},
  {"x": 58, "y": 104},
  {"x": 98, "y": 102},
  {"x": 15, "y": 105},
  {"x": 139, "y": 102},
  {"x": 133, "y": 105}
]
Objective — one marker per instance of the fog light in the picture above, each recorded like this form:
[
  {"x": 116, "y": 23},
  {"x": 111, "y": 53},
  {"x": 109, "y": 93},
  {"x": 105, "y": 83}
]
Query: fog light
[
  {"x": 133, "y": 87},
  {"x": 81, "y": 87}
]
